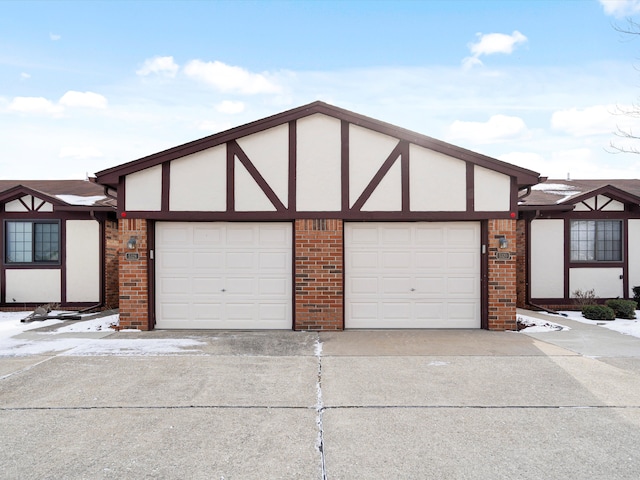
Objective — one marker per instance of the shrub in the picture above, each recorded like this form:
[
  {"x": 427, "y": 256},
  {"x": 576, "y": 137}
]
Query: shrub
[
  {"x": 636, "y": 294},
  {"x": 623, "y": 308},
  {"x": 598, "y": 312},
  {"x": 584, "y": 297}
]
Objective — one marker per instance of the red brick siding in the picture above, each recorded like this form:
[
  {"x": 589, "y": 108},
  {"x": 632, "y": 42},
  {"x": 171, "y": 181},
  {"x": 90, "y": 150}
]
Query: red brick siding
[
  {"x": 318, "y": 251},
  {"x": 134, "y": 276},
  {"x": 111, "y": 282},
  {"x": 502, "y": 276},
  {"x": 521, "y": 263}
]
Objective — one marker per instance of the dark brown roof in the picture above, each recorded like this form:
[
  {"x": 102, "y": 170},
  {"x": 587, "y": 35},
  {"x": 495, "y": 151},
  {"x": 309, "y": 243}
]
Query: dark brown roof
[
  {"x": 72, "y": 193},
  {"x": 111, "y": 176},
  {"x": 569, "y": 192}
]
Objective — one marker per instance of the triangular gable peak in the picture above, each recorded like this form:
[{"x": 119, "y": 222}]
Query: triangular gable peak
[
  {"x": 25, "y": 199},
  {"x": 607, "y": 198},
  {"x": 313, "y": 160}
]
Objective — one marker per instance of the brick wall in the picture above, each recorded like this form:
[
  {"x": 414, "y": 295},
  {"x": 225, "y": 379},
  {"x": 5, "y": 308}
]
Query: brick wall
[
  {"x": 111, "y": 280},
  {"x": 521, "y": 263},
  {"x": 502, "y": 276},
  {"x": 318, "y": 302},
  {"x": 134, "y": 275}
]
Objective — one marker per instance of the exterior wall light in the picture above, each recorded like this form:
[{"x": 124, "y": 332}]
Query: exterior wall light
[
  {"x": 503, "y": 242},
  {"x": 131, "y": 244}
]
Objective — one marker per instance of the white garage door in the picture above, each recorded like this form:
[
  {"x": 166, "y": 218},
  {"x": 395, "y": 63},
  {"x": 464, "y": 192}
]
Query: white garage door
[
  {"x": 412, "y": 275},
  {"x": 223, "y": 275}
]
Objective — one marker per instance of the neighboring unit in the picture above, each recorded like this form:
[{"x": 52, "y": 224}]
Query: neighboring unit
[
  {"x": 59, "y": 244},
  {"x": 578, "y": 235},
  {"x": 317, "y": 218}
]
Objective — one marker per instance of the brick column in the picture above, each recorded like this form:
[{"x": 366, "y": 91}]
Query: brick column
[
  {"x": 521, "y": 263},
  {"x": 502, "y": 275},
  {"x": 134, "y": 275},
  {"x": 318, "y": 302},
  {"x": 111, "y": 257}
]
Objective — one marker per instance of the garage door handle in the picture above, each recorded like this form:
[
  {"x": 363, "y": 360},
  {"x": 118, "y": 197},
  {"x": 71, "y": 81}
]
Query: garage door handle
[
  {"x": 223, "y": 290},
  {"x": 413, "y": 289}
]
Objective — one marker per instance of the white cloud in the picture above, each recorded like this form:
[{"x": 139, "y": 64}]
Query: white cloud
[
  {"x": 38, "y": 105},
  {"x": 80, "y": 152},
  {"x": 497, "y": 129},
  {"x": 228, "y": 78},
  {"x": 596, "y": 120},
  {"x": 160, "y": 66},
  {"x": 620, "y": 8},
  {"x": 55, "y": 37},
  {"x": 229, "y": 106},
  {"x": 25, "y": 75},
  {"x": 83, "y": 99},
  {"x": 492, "y": 43}
]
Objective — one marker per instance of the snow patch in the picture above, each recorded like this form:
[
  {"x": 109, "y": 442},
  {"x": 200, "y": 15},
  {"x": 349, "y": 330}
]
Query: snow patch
[
  {"x": 537, "y": 325},
  {"x": 78, "y": 200},
  {"x": 625, "y": 327}
]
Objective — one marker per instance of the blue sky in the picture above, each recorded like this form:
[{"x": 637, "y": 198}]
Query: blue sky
[{"x": 87, "y": 85}]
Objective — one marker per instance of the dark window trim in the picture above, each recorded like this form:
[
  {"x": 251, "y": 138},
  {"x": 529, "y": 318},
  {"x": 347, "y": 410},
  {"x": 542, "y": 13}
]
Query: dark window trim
[{"x": 33, "y": 243}]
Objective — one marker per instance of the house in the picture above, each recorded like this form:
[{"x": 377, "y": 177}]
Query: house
[
  {"x": 317, "y": 218},
  {"x": 59, "y": 244},
  {"x": 578, "y": 235}
]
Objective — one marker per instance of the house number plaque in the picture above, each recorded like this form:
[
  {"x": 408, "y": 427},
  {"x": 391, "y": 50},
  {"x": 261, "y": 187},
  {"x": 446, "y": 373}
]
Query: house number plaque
[
  {"x": 132, "y": 256},
  {"x": 503, "y": 256}
]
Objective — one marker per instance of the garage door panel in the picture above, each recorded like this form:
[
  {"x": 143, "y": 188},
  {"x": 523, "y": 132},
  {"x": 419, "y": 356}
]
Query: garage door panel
[
  {"x": 206, "y": 235},
  {"x": 393, "y": 260},
  {"x": 462, "y": 286},
  {"x": 409, "y": 275},
  {"x": 207, "y": 260},
  {"x": 174, "y": 285},
  {"x": 462, "y": 260},
  {"x": 399, "y": 235},
  {"x": 394, "y": 311},
  {"x": 206, "y": 285},
  {"x": 273, "y": 260},
  {"x": 429, "y": 260},
  {"x": 429, "y": 311},
  {"x": 220, "y": 275},
  {"x": 430, "y": 286},
  {"x": 239, "y": 260},
  {"x": 396, "y": 286},
  {"x": 364, "y": 260},
  {"x": 207, "y": 311},
  {"x": 272, "y": 286},
  {"x": 431, "y": 237}
]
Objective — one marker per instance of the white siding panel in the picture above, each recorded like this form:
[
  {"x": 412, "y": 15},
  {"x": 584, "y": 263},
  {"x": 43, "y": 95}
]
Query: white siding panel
[
  {"x": 547, "y": 259},
  {"x": 438, "y": 183},
  {"x": 388, "y": 195},
  {"x": 143, "y": 190},
  {"x": 269, "y": 152},
  {"x": 492, "y": 190},
  {"x": 83, "y": 260},
  {"x": 612, "y": 206},
  {"x": 17, "y": 205},
  {"x": 367, "y": 152},
  {"x": 199, "y": 181},
  {"x": 605, "y": 281},
  {"x": 249, "y": 196},
  {"x": 37, "y": 286},
  {"x": 318, "y": 170},
  {"x": 634, "y": 255}
]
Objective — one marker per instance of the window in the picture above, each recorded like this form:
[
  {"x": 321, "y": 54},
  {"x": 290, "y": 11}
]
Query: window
[
  {"x": 32, "y": 242},
  {"x": 596, "y": 241}
]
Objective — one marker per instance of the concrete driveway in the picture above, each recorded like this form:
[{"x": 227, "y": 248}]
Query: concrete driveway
[{"x": 346, "y": 405}]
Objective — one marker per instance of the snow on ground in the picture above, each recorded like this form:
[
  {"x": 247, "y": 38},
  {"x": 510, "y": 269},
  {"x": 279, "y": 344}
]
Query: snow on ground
[
  {"x": 534, "y": 325},
  {"x": 70, "y": 340}
]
